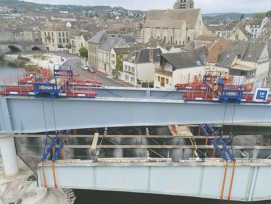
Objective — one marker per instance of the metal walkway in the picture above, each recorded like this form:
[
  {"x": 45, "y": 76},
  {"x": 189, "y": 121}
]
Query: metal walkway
[{"x": 120, "y": 107}]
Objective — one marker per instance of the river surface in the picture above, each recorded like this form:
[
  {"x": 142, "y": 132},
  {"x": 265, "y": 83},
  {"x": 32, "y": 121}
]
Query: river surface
[{"x": 8, "y": 73}]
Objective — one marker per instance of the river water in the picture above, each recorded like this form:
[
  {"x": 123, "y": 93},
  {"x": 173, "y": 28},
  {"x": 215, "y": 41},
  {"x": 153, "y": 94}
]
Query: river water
[{"x": 8, "y": 74}]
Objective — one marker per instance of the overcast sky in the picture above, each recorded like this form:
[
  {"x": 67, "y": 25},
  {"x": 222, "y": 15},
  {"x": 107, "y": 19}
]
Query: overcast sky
[{"x": 207, "y": 6}]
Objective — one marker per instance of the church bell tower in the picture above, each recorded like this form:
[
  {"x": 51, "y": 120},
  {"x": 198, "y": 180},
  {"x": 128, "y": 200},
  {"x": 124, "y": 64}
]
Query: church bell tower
[{"x": 184, "y": 4}]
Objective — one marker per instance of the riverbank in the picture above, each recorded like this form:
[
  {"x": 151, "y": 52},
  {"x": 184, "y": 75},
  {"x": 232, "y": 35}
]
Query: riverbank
[{"x": 47, "y": 61}]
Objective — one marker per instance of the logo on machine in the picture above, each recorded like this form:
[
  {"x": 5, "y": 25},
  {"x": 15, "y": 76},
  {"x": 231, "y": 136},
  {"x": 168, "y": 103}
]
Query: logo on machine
[{"x": 261, "y": 95}]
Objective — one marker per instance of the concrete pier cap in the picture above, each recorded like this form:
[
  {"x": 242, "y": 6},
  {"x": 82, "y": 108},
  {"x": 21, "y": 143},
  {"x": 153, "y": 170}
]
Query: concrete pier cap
[{"x": 9, "y": 156}]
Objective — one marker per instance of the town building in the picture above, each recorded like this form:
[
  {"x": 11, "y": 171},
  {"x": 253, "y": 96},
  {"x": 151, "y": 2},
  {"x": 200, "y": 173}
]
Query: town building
[
  {"x": 120, "y": 28},
  {"x": 55, "y": 36},
  {"x": 139, "y": 68},
  {"x": 178, "y": 26},
  {"x": 183, "y": 4},
  {"x": 117, "y": 56},
  {"x": 104, "y": 53},
  {"x": 93, "y": 45},
  {"x": 178, "y": 68},
  {"x": 247, "y": 62}
]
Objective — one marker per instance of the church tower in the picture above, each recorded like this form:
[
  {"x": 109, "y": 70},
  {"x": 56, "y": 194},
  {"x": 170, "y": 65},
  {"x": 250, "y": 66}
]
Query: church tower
[{"x": 184, "y": 4}]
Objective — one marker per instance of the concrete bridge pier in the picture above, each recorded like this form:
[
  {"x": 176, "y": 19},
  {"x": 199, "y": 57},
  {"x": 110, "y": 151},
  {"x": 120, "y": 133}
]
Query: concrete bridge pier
[{"x": 9, "y": 156}]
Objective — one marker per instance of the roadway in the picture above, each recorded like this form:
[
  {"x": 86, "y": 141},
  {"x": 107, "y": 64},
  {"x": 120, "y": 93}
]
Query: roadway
[{"x": 75, "y": 63}]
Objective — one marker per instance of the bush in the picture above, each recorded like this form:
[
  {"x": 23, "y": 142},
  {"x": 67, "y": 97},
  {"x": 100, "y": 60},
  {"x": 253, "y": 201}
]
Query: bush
[{"x": 2, "y": 57}]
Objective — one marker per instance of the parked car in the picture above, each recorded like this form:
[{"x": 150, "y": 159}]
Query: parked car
[
  {"x": 88, "y": 68},
  {"x": 85, "y": 67},
  {"x": 91, "y": 69}
]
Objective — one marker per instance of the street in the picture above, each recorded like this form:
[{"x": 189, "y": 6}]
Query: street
[{"x": 75, "y": 64}]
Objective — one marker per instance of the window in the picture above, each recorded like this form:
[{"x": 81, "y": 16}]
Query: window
[
  {"x": 162, "y": 82},
  {"x": 127, "y": 77},
  {"x": 59, "y": 34},
  {"x": 158, "y": 78},
  {"x": 132, "y": 79},
  {"x": 64, "y": 40},
  {"x": 167, "y": 81},
  {"x": 126, "y": 67},
  {"x": 59, "y": 41},
  {"x": 67, "y": 40},
  {"x": 133, "y": 69},
  {"x": 63, "y": 34},
  {"x": 67, "y": 34}
]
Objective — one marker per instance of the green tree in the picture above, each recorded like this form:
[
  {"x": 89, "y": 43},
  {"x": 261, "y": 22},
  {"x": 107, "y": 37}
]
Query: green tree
[
  {"x": 119, "y": 65},
  {"x": 268, "y": 14},
  {"x": 259, "y": 15},
  {"x": 83, "y": 52},
  {"x": 2, "y": 57}
]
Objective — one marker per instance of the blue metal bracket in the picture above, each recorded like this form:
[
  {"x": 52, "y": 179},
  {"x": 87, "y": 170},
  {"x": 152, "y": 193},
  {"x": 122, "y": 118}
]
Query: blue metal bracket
[
  {"x": 219, "y": 150},
  {"x": 46, "y": 153},
  {"x": 204, "y": 130},
  {"x": 58, "y": 150},
  {"x": 212, "y": 129}
]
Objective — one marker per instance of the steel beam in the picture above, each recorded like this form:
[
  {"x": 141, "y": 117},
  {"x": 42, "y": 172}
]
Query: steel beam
[
  {"x": 190, "y": 178},
  {"x": 29, "y": 115}
]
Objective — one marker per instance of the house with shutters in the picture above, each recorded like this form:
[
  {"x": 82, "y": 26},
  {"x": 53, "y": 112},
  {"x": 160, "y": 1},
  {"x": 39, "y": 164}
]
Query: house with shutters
[
  {"x": 139, "y": 67},
  {"x": 178, "y": 68}
]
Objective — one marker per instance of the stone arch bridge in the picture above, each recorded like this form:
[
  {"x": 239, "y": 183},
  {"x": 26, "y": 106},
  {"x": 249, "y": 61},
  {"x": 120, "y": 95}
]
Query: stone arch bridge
[{"x": 21, "y": 46}]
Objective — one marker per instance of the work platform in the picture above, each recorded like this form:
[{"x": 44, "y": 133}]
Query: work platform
[{"x": 121, "y": 107}]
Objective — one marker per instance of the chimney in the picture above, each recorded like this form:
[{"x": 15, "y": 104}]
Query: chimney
[{"x": 151, "y": 55}]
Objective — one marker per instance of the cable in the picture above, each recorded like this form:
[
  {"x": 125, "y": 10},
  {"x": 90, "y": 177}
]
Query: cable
[
  {"x": 54, "y": 115},
  {"x": 45, "y": 123},
  {"x": 224, "y": 119}
]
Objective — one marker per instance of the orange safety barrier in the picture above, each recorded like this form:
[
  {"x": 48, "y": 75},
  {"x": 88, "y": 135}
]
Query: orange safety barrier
[
  {"x": 224, "y": 181},
  {"x": 232, "y": 179},
  {"x": 54, "y": 174},
  {"x": 43, "y": 175}
]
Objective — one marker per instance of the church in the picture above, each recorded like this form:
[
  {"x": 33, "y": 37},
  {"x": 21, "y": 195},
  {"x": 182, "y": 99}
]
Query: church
[{"x": 176, "y": 26}]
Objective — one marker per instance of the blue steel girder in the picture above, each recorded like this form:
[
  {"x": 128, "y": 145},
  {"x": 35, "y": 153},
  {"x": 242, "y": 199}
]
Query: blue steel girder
[{"x": 26, "y": 115}]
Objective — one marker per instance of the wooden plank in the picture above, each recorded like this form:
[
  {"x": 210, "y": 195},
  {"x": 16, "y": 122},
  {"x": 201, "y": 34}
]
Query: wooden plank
[{"x": 95, "y": 141}]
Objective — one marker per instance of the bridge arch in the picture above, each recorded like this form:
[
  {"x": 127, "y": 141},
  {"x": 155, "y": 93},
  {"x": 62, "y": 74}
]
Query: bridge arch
[
  {"x": 36, "y": 48},
  {"x": 14, "y": 48}
]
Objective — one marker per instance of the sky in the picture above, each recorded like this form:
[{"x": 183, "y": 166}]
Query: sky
[{"x": 207, "y": 6}]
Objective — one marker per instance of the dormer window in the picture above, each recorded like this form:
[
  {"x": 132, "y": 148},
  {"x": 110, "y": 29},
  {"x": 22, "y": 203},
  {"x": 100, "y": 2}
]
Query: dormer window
[{"x": 239, "y": 56}]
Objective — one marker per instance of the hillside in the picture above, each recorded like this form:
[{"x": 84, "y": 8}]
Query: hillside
[
  {"x": 98, "y": 11},
  {"x": 226, "y": 16}
]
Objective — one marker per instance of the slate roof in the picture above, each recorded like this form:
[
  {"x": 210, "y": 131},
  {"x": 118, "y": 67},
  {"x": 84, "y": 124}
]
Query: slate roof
[
  {"x": 124, "y": 50},
  {"x": 248, "y": 51},
  {"x": 181, "y": 60},
  {"x": 109, "y": 43},
  {"x": 172, "y": 18},
  {"x": 98, "y": 37},
  {"x": 143, "y": 56}
]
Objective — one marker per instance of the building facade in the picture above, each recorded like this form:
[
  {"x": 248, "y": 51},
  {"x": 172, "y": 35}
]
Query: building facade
[
  {"x": 177, "y": 27},
  {"x": 183, "y": 4},
  {"x": 178, "y": 68},
  {"x": 55, "y": 36}
]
